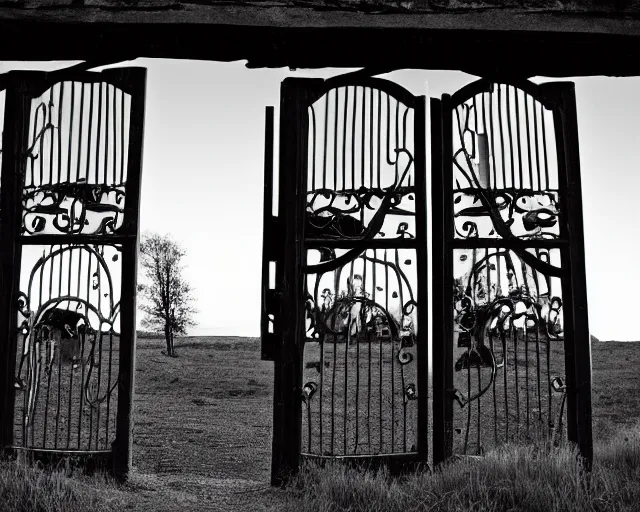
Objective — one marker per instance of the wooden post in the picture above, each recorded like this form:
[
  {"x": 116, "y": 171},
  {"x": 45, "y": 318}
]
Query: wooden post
[
  {"x": 13, "y": 147},
  {"x": 420, "y": 166},
  {"x": 271, "y": 249},
  {"x": 122, "y": 446},
  {"x": 574, "y": 283},
  {"x": 287, "y": 404},
  {"x": 442, "y": 277}
]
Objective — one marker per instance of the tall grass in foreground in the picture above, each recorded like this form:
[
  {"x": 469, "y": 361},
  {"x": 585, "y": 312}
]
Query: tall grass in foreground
[
  {"x": 512, "y": 478},
  {"x": 25, "y": 488}
]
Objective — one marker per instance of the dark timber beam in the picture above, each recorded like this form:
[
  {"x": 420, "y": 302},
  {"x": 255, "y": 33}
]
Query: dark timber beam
[{"x": 479, "y": 43}]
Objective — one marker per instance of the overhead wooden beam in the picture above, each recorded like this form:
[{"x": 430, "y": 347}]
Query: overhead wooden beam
[{"x": 596, "y": 46}]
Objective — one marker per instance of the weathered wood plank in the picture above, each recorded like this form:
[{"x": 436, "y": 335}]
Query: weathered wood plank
[{"x": 293, "y": 37}]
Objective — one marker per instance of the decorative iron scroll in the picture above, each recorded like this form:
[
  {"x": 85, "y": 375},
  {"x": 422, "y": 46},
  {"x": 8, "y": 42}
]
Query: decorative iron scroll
[
  {"x": 361, "y": 182},
  {"x": 505, "y": 167},
  {"x": 508, "y": 338},
  {"x": 75, "y": 177},
  {"x": 76, "y": 158},
  {"x": 360, "y": 356},
  {"x": 67, "y": 360},
  {"x": 508, "y": 348}
]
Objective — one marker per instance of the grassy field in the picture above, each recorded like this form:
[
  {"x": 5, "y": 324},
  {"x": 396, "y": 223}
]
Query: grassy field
[{"x": 202, "y": 437}]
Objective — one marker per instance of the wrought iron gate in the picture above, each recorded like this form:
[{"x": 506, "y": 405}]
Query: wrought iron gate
[
  {"x": 344, "y": 279},
  {"x": 349, "y": 295},
  {"x": 70, "y": 190},
  {"x": 512, "y": 357}
]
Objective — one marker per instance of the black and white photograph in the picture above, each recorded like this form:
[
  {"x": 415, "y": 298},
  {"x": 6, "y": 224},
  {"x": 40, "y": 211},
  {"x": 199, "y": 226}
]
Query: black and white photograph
[{"x": 319, "y": 256}]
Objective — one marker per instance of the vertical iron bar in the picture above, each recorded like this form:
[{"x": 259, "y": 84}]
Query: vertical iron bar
[
  {"x": 353, "y": 138},
  {"x": 362, "y": 143},
  {"x": 371, "y": 108},
  {"x": 51, "y": 131},
  {"x": 508, "y": 112},
  {"x": 526, "y": 372},
  {"x": 347, "y": 343},
  {"x": 97, "y": 398},
  {"x": 386, "y": 306},
  {"x": 495, "y": 396},
  {"x": 82, "y": 360},
  {"x": 369, "y": 342},
  {"x": 80, "y": 130},
  {"x": 115, "y": 137},
  {"x": 517, "y": 383},
  {"x": 59, "y": 132},
  {"x": 539, "y": 385},
  {"x": 71, "y": 108},
  {"x": 504, "y": 373},
  {"x": 72, "y": 347},
  {"x": 59, "y": 390},
  {"x": 500, "y": 112},
  {"x": 344, "y": 138},
  {"x": 485, "y": 131},
  {"x": 98, "y": 133},
  {"x": 393, "y": 366},
  {"x": 519, "y": 143},
  {"x": 326, "y": 131},
  {"x": 335, "y": 138},
  {"x": 122, "y": 145},
  {"x": 106, "y": 136},
  {"x": 379, "y": 136},
  {"x": 493, "y": 142},
  {"x": 89, "y": 129},
  {"x": 468, "y": 423},
  {"x": 478, "y": 425},
  {"x": 544, "y": 147},
  {"x": 535, "y": 138},
  {"x": 528, "y": 124},
  {"x": 549, "y": 391},
  {"x": 312, "y": 110}
]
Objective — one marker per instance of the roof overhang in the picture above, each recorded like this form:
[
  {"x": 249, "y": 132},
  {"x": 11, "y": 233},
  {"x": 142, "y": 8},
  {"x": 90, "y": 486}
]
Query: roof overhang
[{"x": 489, "y": 42}]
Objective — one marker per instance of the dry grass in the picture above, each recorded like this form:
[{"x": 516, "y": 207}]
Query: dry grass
[
  {"x": 202, "y": 442},
  {"x": 531, "y": 478},
  {"x": 25, "y": 488}
]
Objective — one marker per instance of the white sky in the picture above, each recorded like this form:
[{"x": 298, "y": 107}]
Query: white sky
[{"x": 203, "y": 181}]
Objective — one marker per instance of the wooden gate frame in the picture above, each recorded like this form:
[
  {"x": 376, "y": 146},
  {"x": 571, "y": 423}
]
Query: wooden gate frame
[
  {"x": 20, "y": 87},
  {"x": 284, "y": 245},
  {"x": 560, "y": 96}
]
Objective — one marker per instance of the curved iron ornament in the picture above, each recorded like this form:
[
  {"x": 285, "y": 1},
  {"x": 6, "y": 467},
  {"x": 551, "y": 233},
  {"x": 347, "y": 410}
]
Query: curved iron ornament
[
  {"x": 74, "y": 183},
  {"x": 91, "y": 202},
  {"x": 361, "y": 189},
  {"x": 39, "y": 337},
  {"x": 503, "y": 127}
]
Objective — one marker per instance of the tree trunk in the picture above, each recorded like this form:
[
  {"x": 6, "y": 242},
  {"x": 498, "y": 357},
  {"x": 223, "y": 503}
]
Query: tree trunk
[{"x": 168, "y": 339}]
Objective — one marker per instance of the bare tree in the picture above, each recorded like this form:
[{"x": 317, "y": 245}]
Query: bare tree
[{"x": 168, "y": 297}]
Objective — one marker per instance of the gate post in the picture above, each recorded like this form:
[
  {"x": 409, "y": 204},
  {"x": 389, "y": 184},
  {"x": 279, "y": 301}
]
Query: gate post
[
  {"x": 122, "y": 446},
  {"x": 442, "y": 277},
  {"x": 577, "y": 339},
  {"x": 13, "y": 147},
  {"x": 422, "y": 257},
  {"x": 287, "y": 404}
]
